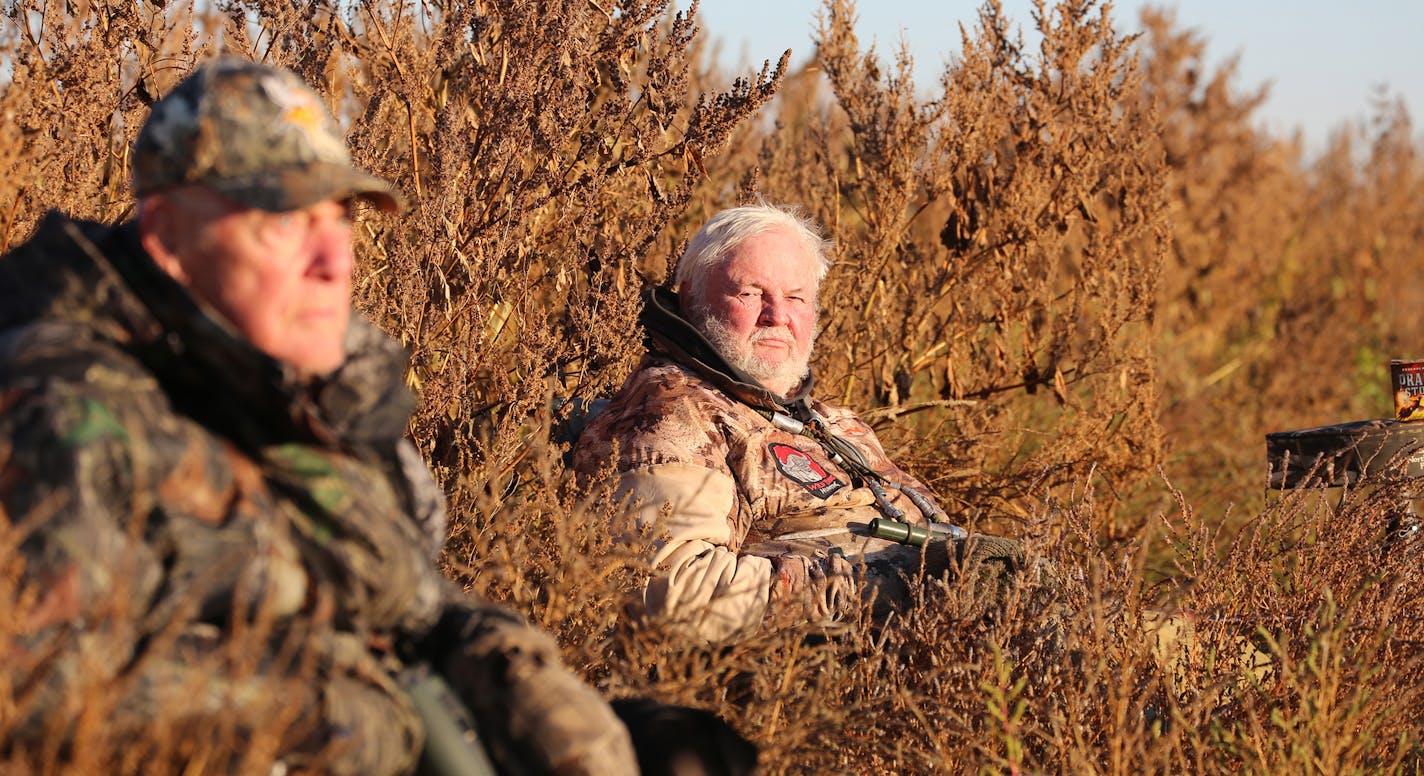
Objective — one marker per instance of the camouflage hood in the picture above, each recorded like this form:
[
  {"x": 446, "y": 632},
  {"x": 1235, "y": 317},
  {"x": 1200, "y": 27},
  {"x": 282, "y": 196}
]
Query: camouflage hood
[
  {"x": 99, "y": 278},
  {"x": 669, "y": 335}
]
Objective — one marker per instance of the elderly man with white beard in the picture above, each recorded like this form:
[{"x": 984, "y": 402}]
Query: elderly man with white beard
[{"x": 758, "y": 497}]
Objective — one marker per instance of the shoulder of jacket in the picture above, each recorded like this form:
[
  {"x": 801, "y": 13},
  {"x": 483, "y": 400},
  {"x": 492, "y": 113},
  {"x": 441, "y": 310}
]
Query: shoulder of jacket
[
  {"x": 52, "y": 231},
  {"x": 836, "y": 413},
  {"x": 663, "y": 412},
  {"x": 65, "y": 350},
  {"x": 662, "y": 394},
  {"x": 66, "y": 366}
]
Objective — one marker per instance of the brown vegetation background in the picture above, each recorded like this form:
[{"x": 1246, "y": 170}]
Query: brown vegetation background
[{"x": 1074, "y": 287}]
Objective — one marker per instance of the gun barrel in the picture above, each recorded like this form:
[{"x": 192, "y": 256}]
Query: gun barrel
[{"x": 914, "y": 535}]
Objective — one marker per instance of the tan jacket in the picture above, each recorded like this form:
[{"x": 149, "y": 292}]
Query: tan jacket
[{"x": 753, "y": 512}]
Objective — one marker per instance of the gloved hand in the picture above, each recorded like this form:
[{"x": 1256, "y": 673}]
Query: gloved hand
[
  {"x": 822, "y": 585},
  {"x": 989, "y": 563}
]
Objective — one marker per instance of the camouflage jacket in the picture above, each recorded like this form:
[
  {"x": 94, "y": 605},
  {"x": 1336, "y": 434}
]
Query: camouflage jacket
[
  {"x": 175, "y": 487},
  {"x": 746, "y": 513}
]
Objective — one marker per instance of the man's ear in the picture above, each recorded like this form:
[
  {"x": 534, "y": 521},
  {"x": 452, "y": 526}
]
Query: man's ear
[{"x": 158, "y": 230}]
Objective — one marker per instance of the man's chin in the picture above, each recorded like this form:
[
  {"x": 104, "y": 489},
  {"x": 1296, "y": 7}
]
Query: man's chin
[
  {"x": 767, "y": 366},
  {"x": 779, "y": 381},
  {"x": 785, "y": 387},
  {"x": 309, "y": 360}
]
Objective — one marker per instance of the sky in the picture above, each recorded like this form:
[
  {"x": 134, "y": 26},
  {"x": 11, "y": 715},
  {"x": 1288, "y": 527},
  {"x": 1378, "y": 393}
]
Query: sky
[{"x": 1325, "y": 61}]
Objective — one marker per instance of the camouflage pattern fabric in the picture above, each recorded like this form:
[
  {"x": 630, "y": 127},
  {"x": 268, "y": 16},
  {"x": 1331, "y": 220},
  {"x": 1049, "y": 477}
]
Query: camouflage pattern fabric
[
  {"x": 750, "y": 517},
  {"x": 258, "y": 135},
  {"x": 178, "y": 489}
]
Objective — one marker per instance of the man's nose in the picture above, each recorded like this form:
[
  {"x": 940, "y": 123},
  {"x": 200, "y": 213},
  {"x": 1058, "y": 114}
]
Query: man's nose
[
  {"x": 332, "y": 255},
  {"x": 773, "y": 311}
]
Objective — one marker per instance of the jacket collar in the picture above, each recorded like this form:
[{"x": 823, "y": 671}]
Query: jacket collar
[{"x": 667, "y": 333}]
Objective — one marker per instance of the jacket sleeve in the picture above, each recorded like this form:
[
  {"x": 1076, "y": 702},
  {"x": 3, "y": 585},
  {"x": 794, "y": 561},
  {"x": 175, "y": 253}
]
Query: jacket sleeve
[
  {"x": 533, "y": 713},
  {"x": 88, "y": 623},
  {"x": 666, "y": 443},
  {"x": 700, "y": 583},
  {"x": 65, "y": 485}
]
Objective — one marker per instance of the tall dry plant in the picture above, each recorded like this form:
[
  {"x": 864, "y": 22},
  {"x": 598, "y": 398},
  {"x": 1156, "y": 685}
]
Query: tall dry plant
[
  {"x": 1281, "y": 301},
  {"x": 1235, "y": 197},
  {"x": 81, "y": 78},
  {"x": 998, "y": 248}
]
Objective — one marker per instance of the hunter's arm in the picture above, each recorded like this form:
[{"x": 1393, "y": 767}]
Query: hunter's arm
[{"x": 699, "y": 581}]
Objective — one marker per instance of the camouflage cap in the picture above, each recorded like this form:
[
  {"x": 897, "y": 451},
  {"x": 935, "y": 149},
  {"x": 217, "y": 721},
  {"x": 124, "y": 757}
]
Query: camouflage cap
[{"x": 256, "y": 134}]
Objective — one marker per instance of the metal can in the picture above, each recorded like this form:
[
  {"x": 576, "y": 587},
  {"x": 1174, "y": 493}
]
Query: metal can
[{"x": 1408, "y": 379}]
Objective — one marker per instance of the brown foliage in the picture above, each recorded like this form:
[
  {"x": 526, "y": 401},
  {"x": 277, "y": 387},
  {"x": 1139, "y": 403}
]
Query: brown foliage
[
  {"x": 999, "y": 251},
  {"x": 1065, "y": 270}
]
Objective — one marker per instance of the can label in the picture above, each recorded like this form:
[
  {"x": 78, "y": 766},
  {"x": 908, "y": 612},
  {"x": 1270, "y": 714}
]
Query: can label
[{"x": 1408, "y": 379}]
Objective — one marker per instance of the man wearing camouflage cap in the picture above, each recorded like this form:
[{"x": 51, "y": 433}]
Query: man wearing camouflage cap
[{"x": 202, "y": 448}]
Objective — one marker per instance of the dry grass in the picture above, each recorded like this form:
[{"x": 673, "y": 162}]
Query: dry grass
[{"x": 1071, "y": 274}]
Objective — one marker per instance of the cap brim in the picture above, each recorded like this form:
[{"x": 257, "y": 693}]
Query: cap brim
[{"x": 295, "y": 188}]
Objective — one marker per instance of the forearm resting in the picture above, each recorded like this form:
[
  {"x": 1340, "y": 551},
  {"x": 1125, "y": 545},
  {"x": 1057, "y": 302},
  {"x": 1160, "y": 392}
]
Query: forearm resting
[
  {"x": 530, "y": 708},
  {"x": 707, "y": 590}
]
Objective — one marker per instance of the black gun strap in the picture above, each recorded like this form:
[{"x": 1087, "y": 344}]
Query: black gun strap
[{"x": 850, "y": 458}]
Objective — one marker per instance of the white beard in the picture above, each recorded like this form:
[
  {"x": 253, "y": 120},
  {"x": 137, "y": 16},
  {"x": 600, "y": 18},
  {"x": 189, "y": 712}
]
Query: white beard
[{"x": 781, "y": 377}]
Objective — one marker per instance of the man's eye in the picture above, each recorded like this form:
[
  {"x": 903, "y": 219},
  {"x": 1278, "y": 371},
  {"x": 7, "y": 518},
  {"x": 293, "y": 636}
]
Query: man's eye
[{"x": 278, "y": 226}]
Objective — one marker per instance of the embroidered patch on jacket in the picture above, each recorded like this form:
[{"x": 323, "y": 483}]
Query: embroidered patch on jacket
[{"x": 804, "y": 471}]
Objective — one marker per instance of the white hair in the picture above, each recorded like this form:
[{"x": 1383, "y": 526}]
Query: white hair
[{"x": 731, "y": 227}]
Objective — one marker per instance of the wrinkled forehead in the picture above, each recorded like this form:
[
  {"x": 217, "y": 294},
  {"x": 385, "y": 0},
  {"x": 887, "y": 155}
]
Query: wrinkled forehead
[{"x": 778, "y": 254}]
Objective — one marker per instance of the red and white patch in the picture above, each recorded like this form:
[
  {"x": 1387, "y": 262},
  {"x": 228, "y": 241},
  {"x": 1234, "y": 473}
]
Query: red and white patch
[{"x": 804, "y": 471}]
